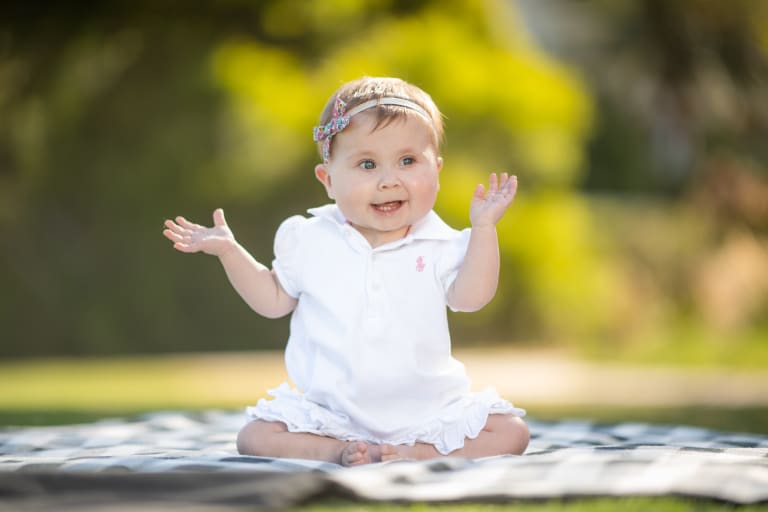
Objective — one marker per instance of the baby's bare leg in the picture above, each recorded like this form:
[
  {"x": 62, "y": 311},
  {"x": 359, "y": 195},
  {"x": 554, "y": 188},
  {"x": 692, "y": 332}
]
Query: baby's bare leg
[
  {"x": 272, "y": 439},
  {"x": 503, "y": 434}
]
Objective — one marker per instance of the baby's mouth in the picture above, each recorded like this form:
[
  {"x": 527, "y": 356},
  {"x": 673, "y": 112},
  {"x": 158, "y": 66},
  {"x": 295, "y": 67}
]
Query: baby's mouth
[{"x": 387, "y": 207}]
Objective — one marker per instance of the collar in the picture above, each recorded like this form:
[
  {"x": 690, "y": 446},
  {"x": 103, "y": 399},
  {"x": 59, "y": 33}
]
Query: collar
[{"x": 430, "y": 227}]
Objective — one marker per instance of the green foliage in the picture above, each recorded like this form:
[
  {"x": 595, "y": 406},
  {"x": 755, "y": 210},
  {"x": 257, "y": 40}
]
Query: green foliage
[{"x": 114, "y": 119}]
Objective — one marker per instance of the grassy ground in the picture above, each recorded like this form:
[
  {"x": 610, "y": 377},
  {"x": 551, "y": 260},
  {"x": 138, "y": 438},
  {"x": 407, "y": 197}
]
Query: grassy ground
[
  {"x": 62, "y": 391},
  {"x": 733, "y": 419},
  {"x": 57, "y": 391},
  {"x": 583, "y": 505}
]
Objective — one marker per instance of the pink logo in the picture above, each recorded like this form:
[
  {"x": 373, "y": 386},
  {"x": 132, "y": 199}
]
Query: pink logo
[{"x": 420, "y": 264}]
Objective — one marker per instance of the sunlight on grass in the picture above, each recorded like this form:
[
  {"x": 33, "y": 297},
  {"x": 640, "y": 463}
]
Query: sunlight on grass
[
  {"x": 667, "y": 504},
  {"x": 549, "y": 384},
  {"x": 179, "y": 381}
]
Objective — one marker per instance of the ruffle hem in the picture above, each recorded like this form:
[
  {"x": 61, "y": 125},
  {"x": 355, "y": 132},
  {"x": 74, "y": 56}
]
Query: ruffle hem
[{"x": 463, "y": 419}]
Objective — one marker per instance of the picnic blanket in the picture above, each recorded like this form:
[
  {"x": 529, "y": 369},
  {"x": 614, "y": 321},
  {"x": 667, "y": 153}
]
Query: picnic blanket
[{"x": 190, "y": 458}]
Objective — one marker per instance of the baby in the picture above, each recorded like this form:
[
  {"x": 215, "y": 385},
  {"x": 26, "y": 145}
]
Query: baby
[{"x": 367, "y": 280}]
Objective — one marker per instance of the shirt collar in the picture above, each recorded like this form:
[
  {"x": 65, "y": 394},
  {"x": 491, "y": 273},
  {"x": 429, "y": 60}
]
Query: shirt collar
[{"x": 430, "y": 227}]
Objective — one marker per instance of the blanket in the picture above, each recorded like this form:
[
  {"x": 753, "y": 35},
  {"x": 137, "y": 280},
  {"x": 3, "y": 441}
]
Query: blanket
[{"x": 182, "y": 457}]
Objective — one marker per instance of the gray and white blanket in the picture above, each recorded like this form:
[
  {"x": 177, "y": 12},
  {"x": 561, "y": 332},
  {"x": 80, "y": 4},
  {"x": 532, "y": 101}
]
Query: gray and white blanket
[{"x": 190, "y": 458}]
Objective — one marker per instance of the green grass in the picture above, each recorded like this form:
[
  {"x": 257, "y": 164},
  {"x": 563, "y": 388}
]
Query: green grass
[
  {"x": 61, "y": 391},
  {"x": 671, "y": 504},
  {"x": 689, "y": 344},
  {"x": 138, "y": 383},
  {"x": 732, "y": 419},
  {"x": 753, "y": 419},
  {"x": 64, "y": 391}
]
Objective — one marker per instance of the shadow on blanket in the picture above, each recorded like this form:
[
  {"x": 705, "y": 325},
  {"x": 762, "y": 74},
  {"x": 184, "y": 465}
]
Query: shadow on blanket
[{"x": 181, "y": 458}]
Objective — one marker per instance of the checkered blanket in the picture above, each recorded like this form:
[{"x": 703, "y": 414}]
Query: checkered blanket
[{"x": 168, "y": 457}]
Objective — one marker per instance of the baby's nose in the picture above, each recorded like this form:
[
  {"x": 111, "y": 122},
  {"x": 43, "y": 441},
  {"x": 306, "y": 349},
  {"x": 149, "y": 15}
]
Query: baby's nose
[{"x": 388, "y": 177}]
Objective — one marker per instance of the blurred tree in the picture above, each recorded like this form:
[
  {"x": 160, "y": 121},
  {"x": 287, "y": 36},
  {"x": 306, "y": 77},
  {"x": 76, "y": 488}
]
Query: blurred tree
[
  {"x": 115, "y": 115},
  {"x": 507, "y": 106},
  {"x": 679, "y": 80},
  {"x": 683, "y": 103},
  {"x": 118, "y": 115}
]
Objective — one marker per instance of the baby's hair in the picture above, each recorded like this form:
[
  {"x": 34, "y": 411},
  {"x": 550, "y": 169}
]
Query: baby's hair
[{"x": 368, "y": 88}]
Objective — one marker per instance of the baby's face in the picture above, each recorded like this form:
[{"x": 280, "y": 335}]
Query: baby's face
[{"x": 385, "y": 180}]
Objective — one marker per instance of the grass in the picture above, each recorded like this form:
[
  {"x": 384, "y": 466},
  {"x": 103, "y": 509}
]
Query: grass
[
  {"x": 671, "y": 504},
  {"x": 190, "y": 381},
  {"x": 68, "y": 390},
  {"x": 732, "y": 419},
  {"x": 63, "y": 391},
  {"x": 689, "y": 344},
  {"x": 753, "y": 419}
]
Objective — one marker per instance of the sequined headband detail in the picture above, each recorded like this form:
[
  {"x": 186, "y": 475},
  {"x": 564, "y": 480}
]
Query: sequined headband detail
[{"x": 340, "y": 118}]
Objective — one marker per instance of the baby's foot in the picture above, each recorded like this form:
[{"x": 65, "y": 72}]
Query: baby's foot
[
  {"x": 355, "y": 453},
  {"x": 391, "y": 452},
  {"x": 418, "y": 451}
]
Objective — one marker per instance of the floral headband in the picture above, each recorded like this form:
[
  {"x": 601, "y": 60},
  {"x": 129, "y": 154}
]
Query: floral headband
[{"x": 340, "y": 118}]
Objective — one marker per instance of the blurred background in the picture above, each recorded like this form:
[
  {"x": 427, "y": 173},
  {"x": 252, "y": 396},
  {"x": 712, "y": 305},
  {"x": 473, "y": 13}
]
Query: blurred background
[{"x": 638, "y": 130}]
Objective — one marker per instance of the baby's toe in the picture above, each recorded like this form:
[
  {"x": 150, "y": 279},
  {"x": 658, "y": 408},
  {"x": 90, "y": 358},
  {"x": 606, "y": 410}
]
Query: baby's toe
[
  {"x": 354, "y": 453},
  {"x": 390, "y": 452}
]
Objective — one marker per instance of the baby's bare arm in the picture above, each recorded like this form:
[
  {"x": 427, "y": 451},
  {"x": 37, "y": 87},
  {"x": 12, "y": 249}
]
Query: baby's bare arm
[
  {"x": 256, "y": 284},
  {"x": 478, "y": 277}
]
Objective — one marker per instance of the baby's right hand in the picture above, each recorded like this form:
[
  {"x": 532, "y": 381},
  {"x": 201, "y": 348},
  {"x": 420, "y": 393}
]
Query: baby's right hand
[{"x": 189, "y": 237}]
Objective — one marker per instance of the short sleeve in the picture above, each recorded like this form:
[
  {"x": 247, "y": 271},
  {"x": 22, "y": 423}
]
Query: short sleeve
[
  {"x": 286, "y": 264},
  {"x": 451, "y": 258}
]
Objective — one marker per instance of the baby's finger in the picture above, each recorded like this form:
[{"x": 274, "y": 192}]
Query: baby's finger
[
  {"x": 512, "y": 184},
  {"x": 174, "y": 227},
  {"x": 493, "y": 184},
  {"x": 186, "y": 224},
  {"x": 173, "y": 236},
  {"x": 218, "y": 218},
  {"x": 506, "y": 184},
  {"x": 510, "y": 188},
  {"x": 479, "y": 191},
  {"x": 180, "y": 246}
]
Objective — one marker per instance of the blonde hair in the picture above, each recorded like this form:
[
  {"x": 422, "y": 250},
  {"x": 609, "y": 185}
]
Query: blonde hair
[{"x": 367, "y": 88}]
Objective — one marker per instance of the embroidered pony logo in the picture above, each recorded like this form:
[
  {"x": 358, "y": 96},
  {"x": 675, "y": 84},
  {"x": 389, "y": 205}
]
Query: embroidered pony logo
[{"x": 420, "y": 264}]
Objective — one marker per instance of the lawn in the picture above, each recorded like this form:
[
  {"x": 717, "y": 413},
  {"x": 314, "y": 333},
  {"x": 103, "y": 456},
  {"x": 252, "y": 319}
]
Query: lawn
[
  {"x": 581, "y": 505},
  {"x": 67, "y": 390},
  {"x": 60, "y": 391}
]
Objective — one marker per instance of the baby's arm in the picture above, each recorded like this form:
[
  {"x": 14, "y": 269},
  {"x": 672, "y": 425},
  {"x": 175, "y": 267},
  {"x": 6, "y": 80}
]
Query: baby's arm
[
  {"x": 475, "y": 285},
  {"x": 256, "y": 284}
]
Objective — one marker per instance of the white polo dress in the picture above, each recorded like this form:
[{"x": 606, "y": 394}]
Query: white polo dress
[{"x": 369, "y": 348}]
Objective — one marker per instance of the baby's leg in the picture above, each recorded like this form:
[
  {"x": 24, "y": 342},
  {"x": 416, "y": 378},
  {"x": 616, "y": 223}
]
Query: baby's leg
[
  {"x": 503, "y": 434},
  {"x": 272, "y": 439}
]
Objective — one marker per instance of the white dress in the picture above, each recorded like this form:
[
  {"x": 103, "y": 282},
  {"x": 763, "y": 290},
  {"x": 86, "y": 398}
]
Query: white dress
[{"x": 369, "y": 347}]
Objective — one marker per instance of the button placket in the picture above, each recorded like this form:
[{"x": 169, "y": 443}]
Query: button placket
[{"x": 374, "y": 290}]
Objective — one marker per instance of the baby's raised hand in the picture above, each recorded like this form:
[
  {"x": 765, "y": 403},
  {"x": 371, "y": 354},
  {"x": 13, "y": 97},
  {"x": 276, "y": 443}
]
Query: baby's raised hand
[
  {"x": 488, "y": 209},
  {"x": 190, "y": 237}
]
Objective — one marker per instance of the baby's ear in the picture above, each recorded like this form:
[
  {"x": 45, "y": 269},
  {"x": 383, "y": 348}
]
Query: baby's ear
[
  {"x": 324, "y": 177},
  {"x": 439, "y": 168}
]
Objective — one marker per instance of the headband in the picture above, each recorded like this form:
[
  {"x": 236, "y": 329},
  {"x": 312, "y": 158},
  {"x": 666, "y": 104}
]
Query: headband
[{"x": 340, "y": 118}]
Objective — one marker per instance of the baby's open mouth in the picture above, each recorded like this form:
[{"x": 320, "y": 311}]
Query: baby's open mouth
[{"x": 387, "y": 207}]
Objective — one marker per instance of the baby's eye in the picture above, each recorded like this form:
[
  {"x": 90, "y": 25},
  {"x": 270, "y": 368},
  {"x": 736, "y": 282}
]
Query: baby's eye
[
  {"x": 406, "y": 161},
  {"x": 368, "y": 165}
]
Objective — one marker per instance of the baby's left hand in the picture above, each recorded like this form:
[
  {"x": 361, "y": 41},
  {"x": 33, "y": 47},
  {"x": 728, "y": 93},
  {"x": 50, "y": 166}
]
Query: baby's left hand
[{"x": 488, "y": 209}]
